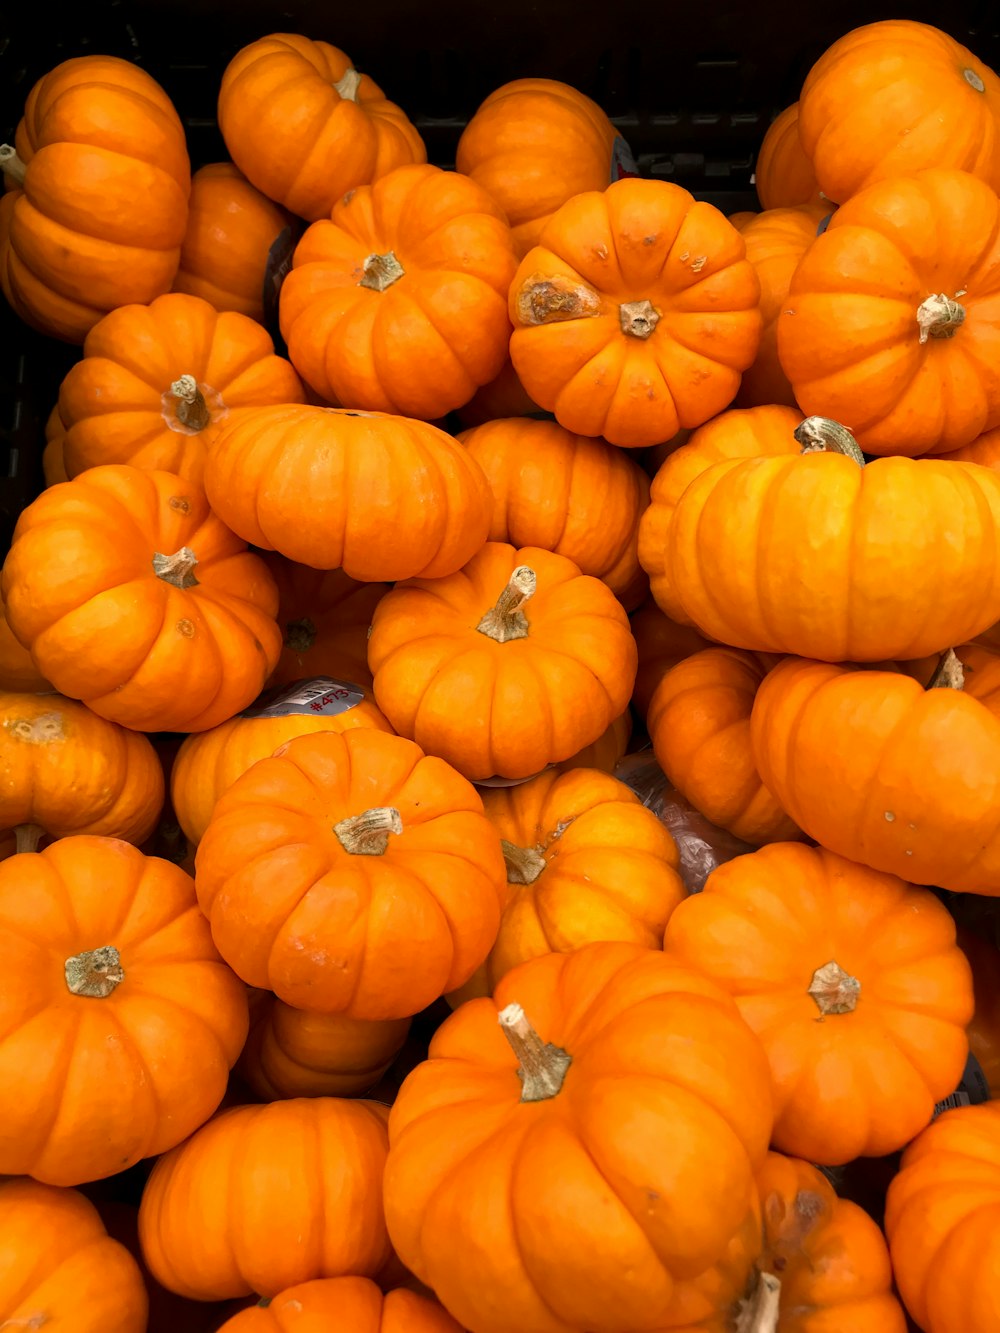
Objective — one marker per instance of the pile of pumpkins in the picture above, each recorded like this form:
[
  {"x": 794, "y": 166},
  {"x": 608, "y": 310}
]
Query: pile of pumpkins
[{"x": 317, "y": 669}]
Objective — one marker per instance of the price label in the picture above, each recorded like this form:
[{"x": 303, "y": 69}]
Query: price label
[{"x": 322, "y": 696}]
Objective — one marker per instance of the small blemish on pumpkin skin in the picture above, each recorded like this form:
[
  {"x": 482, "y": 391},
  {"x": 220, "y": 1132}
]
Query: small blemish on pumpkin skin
[
  {"x": 649, "y": 240},
  {"x": 889, "y": 816},
  {"x": 181, "y": 503},
  {"x": 601, "y": 251},
  {"x": 185, "y": 628}
]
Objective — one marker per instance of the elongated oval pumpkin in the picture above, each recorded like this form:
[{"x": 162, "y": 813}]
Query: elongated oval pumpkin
[
  {"x": 508, "y": 1120},
  {"x": 242, "y": 1207},
  {"x": 97, "y": 212},
  {"x": 372, "y": 876},
  {"x": 369, "y": 474},
  {"x": 635, "y": 314},
  {"x": 157, "y": 383},
  {"x": 60, "y": 1267},
  {"x": 784, "y": 175},
  {"x": 132, "y": 596},
  {"x": 120, "y": 1021},
  {"x": 343, "y": 1305},
  {"x": 515, "y": 662},
  {"x": 398, "y": 301}
]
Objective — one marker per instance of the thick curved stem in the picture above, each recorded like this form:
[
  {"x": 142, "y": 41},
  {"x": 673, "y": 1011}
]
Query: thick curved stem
[
  {"x": 95, "y": 974},
  {"x": 542, "y": 1066},
  {"x": 506, "y": 620},
  {"x": 381, "y": 271},
  {"x": 638, "y": 318},
  {"x": 367, "y": 834},
  {"x": 760, "y": 1311},
  {"x": 949, "y": 674},
  {"x": 348, "y": 83},
  {"x": 11, "y": 165},
  {"x": 834, "y": 990},
  {"x": 524, "y": 864},
  {"x": 940, "y": 316},
  {"x": 192, "y": 410},
  {"x": 27, "y": 837},
  {"x": 176, "y": 569},
  {"x": 821, "y": 435}
]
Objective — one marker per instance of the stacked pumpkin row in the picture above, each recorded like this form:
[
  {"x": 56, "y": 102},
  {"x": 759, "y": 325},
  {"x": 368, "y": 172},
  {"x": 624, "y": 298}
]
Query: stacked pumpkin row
[{"x": 813, "y": 642}]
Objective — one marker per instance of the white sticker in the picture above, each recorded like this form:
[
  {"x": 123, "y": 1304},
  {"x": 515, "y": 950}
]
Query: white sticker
[
  {"x": 622, "y": 162},
  {"x": 972, "y": 1091},
  {"x": 321, "y": 696}
]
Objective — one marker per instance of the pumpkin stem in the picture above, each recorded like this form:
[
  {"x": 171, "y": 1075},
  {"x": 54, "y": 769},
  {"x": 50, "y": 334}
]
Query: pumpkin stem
[
  {"x": 192, "y": 411},
  {"x": 543, "y": 1066},
  {"x": 381, "y": 271},
  {"x": 11, "y": 165},
  {"x": 506, "y": 620},
  {"x": 524, "y": 864},
  {"x": 543, "y": 300},
  {"x": 348, "y": 83},
  {"x": 820, "y": 435},
  {"x": 940, "y": 316},
  {"x": 367, "y": 834},
  {"x": 95, "y": 974},
  {"x": 300, "y": 635},
  {"x": 638, "y": 318},
  {"x": 27, "y": 837},
  {"x": 177, "y": 569},
  {"x": 834, "y": 990},
  {"x": 949, "y": 675},
  {"x": 760, "y": 1310}
]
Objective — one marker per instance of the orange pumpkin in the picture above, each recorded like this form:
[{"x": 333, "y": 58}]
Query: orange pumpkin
[
  {"x": 60, "y": 1267},
  {"x": 889, "y": 333},
  {"x": 304, "y": 126},
  {"x": 984, "y": 449},
  {"x": 863, "y": 111},
  {"x": 368, "y": 474},
  {"x": 942, "y": 1218},
  {"x": 566, "y": 493},
  {"x": 783, "y": 173},
  {"x": 157, "y": 383},
  {"x": 511, "y": 1133},
  {"x": 853, "y": 982},
  {"x": 504, "y": 396},
  {"x": 740, "y": 219},
  {"x": 606, "y": 752},
  {"x": 120, "y": 1021},
  {"x": 661, "y": 644},
  {"x": 296, "y": 1053},
  {"x": 855, "y": 758},
  {"x": 53, "y": 455},
  {"x": 398, "y": 302},
  {"x": 238, "y": 244},
  {"x": 263, "y": 1197},
  {"x": 699, "y": 723},
  {"x": 17, "y": 671},
  {"x": 515, "y": 662},
  {"x": 984, "y": 1030},
  {"x": 775, "y": 241},
  {"x": 369, "y": 870},
  {"x": 533, "y": 144},
  {"x": 209, "y": 763},
  {"x": 132, "y": 596},
  {"x": 343, "y": 1305},
  {"x": 97, "y": 192},
  {"x": 635, "y": 314}
]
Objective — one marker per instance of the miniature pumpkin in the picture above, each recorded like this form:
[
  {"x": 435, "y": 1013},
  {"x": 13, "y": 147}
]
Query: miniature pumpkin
[
  {"x": 566, "y": 493},
  {"x": 398, "y": 302},
  {"x": 795, "y": 934},
  {"x": 263, "y": 1197},
  {"x": 865, "y": 109},
  {"x": 516, "y": 662},
  {"x": 120, "y": 1021},
  {"x": 741, "y": 218},
  {"x": 775, "y": 241},
  {"x": 942, "y": 1218},
  {"x": 533, "y": 144},
  {"x": 783, "y": 174},
  {"x": 369, "y": 475},
  {"x": 635, "y": 314},
  {"x": 661, "y": 644},
  {"x": 343, "y": 1305},
  {"x": 296, "y": 1053},
  {"x": 506, "y": 1121},
  {"x": 847, "y": 585},
  {"x": 304, "y": 126},
  {"x": 855, "y": 758},
  {"x": 158, "y": 382},
  {"x": 238, "y": 244},
  {"x": 17, "y": 671},
  {"x": 97, "y": 212},
  {"x": 504, "y": 396},
  {"x": 699, "y": 723},
  {"x": 372, "y": 876},
  {"x": 53, "y": 455},
  {"x": 889, "y": 333},
  {"x": 132, "y": 596},
  {"x": 324, "y": 616},
  {"x": 606, "y": 752},
  {"x": 60, "y": 1267},
  {"x": 984, "y": 449},
  {"x": 984, "y": 1030}
]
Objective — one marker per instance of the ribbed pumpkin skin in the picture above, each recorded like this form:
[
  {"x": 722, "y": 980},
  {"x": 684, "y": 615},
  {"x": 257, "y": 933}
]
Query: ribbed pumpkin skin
[
  {"x": 343, "y": 1305},
  {"x": 842, "y": 750},
  {"x": 101, "y": 219},
  {"x": 943, "y": 1222},
  {"x": 17, "y": 671},
  {"x": 863, "y": 111},
  {"x": 533, "y": 144},
  {"x": 296, "y": 137},
  {"x": 117, "y": 402},
  {"x": 231, "y": 230},
  {"x": 662, "y": 643},
  {"x": 263, "y": 1196},
  {"x": 984, "y": 450},
  {"x": 784, "y": 175},
  {"x": 59, "y": 1268},
  {"x": 89, "y": 1084},
  {"x": 699, "y": 723}
]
